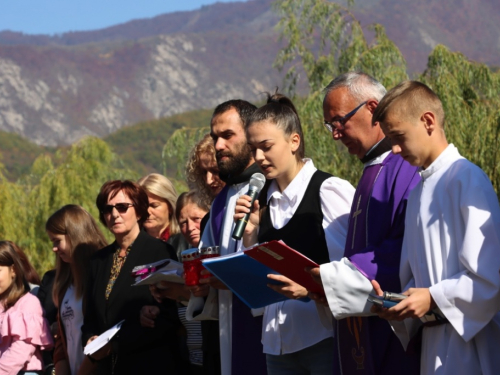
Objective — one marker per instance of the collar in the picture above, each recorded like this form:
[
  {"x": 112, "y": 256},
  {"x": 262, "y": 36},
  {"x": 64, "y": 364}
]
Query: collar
[
  {"x": 243, "y": 176},
  {"x": 118, "y": 249},
  {"x": 450, "y": 153},
  {"x": 291, "y": 191},
  {"x": 380, "y": 148},
  {"x": 165, "y": 235},
  {"x": 378, "y": 160}
]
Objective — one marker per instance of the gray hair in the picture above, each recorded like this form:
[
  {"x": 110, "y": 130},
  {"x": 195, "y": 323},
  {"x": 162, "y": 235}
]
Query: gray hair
[{"x": 360, "y": 85}]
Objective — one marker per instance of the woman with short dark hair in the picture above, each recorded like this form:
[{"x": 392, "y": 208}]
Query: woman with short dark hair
[{"x": 111, "y": 298}]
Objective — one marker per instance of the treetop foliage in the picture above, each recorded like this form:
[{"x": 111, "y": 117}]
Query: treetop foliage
[
  {"x": 323, "y": 40},
  {"x": 72, "y": 176}
]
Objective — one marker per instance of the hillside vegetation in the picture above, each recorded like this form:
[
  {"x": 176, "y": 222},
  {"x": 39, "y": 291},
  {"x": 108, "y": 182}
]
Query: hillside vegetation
[
  {"x": 17, "y": 154},
  {"x": 139, "y": 147}
]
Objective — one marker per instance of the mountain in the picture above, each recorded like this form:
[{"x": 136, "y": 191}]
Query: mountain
[
  {"x": 56, "y": 89},
  {"x": 469, "y": 26},
  {"x": 139, "y": 146},
  {"x": 18, "y": 154}
]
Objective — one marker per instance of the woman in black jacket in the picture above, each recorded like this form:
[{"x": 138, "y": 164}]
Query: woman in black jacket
[{"x": 123, "y": 207}]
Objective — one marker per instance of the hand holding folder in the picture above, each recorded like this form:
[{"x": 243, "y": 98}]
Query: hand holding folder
[
  {"x": 287, "y": 287},
  {"x": 287, "y": 261},
  {"x": 246, "y": 273}
]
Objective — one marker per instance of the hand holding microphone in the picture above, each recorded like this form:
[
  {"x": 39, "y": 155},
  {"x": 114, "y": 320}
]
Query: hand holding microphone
[{"x": 257, "y": 182}]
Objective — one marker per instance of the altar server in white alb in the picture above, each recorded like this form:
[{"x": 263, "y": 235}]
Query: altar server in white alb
[{"x": 450, "y": 260}]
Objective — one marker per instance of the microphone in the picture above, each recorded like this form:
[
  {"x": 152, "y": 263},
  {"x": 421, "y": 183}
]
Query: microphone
[{"x": 257, "y": 182}]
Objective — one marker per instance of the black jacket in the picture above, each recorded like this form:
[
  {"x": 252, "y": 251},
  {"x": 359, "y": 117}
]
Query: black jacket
[{"x": 136, "y": 350}]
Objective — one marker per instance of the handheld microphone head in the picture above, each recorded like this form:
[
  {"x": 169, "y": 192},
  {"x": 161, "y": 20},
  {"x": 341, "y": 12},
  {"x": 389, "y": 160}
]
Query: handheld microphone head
[{"x": 257, "y": 182}]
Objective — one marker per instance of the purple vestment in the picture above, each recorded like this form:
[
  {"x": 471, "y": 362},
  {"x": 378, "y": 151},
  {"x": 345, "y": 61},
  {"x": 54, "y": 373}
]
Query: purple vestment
[
  {"x": 247, "y": 357},
  {"x": 373, "y": 245}
]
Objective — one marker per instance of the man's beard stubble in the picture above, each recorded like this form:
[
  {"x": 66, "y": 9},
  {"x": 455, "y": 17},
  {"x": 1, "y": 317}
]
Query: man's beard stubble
[{"x": 237, "y": 162}]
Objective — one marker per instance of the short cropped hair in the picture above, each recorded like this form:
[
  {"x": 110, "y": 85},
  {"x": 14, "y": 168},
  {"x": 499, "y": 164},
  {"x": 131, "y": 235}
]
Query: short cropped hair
[
  {"x": 360, "y": 85},
  {"x": 187, "y": 198},
  {"x": 134, "y": 191},
  {"x": 244, "y": 109},
  {"x": 410, "y": 99}
]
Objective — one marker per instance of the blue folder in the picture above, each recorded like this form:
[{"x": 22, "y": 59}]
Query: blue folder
[{"x": 246, "y": 277}]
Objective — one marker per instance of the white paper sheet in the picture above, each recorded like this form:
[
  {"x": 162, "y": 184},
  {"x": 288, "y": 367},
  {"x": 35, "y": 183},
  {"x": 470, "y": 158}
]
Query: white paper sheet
[{"x": 102, "y": 339}]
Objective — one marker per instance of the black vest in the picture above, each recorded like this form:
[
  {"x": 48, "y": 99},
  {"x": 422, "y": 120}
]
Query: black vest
[{"x": 304, "y": 232}]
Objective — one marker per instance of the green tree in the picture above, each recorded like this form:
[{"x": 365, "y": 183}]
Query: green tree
[
  {"x": 470, "y": 95},
  {"x": 323, "y": 40},
  {"x": 13, "y": 209},
  {"x": 176, "y": 152},
  {"x": 73, "y": 177}
]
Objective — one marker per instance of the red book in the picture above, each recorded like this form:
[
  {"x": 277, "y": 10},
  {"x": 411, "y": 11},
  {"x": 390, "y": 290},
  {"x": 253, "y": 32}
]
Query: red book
[{"x": 287, "y": 261}]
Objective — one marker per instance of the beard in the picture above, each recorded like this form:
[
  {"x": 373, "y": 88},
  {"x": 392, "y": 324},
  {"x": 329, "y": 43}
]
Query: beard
[{"x": 237, "y": 160}]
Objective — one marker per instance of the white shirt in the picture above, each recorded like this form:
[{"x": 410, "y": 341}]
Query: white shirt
[
  {"x": 453, "y": 248},
  {"x": 72, "y": 319},
  {"x": 291, "y": 325}
]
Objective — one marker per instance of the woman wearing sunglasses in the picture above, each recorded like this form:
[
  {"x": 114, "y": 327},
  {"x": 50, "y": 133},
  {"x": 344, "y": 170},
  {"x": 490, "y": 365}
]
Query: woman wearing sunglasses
[{"x": 111, "y": 298}]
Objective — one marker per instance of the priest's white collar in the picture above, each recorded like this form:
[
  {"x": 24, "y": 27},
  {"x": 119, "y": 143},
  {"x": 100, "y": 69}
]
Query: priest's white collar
[
  {"x": 377, "y": 160},
  {"x": 450, "y": 153}
]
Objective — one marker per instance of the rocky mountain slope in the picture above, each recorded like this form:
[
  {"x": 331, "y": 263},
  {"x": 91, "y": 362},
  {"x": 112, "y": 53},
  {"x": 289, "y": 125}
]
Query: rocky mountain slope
[{"x": 56, "y": 89}]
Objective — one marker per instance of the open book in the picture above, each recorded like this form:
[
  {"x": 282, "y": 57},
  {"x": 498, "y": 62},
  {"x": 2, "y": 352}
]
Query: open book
[
  {"x": 102, "y": 339},
  {"x": 164, "y": 270},
  {"x": 245, "y": 272}
]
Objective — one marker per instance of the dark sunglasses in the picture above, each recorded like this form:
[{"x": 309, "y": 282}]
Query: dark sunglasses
[
  {"x": 339, "y": 123},
  {"x": 120, "y": 207}
]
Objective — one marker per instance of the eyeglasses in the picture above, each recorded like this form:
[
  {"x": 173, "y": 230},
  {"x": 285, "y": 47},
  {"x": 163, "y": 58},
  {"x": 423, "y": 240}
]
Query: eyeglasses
[
  {"x": 339, "y": 123},
  {"x": 120, "y": 207}
]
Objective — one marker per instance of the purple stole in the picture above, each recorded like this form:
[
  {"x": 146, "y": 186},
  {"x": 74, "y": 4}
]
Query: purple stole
[
  {"x": 217, "y": 214},
  {"x": 373, "y": 245},
  {"x": 247, "y": 355},
  {"x": 357, "y": 355}
]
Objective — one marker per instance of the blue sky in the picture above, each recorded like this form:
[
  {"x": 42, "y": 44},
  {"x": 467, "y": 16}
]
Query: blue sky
[{"x": 59, "y": 16}]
